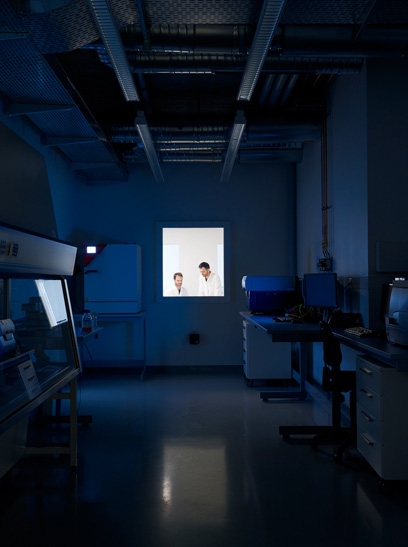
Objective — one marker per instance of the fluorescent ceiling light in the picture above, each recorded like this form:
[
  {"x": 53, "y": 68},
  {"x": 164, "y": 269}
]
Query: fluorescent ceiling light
[
  {"x": 236, "y": 135},
  {"x": 110, "y": 36},
  {"x": 148, "y": 145},
  {"x": 268, "y": 21}
]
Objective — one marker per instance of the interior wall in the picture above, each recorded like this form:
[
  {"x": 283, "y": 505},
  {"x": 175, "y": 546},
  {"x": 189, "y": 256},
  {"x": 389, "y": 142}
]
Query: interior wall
[
  {"x": 346, "y": 190},
  {"x": 260, "y": 211},
  {"x": 387, "y": 153},
  {"x": 347, "y": 175},
  {"x": 387, "y": 83},
  {"x": 309, "y": 209}
]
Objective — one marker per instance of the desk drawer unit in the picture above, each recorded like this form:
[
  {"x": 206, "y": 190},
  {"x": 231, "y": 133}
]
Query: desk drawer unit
[
  {"x": 262, "y": 358},
  {"x": 382, "y": 417}
]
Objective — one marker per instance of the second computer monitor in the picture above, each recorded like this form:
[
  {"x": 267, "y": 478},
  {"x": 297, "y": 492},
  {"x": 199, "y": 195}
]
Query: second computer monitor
[{"x": 320, "y": 290}]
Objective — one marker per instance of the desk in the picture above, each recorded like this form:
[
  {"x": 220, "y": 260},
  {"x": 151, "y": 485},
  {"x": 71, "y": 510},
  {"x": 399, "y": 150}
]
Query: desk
[
  {"x": 82, "y": 336},
  {"x": 382, "y": 385},
  {"x": 303, "y": 333},
  {"x": 118, "y": 317},
  {"x": 391, "y": 354}
]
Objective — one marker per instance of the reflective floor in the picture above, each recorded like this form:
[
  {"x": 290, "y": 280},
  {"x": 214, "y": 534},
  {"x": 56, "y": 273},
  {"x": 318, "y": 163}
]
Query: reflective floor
[{"x": 194, "y": 458}]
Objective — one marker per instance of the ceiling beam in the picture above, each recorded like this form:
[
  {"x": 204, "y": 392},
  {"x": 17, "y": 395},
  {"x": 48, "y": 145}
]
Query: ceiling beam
[
  {"x": 67, "y": 141},
  {"x": 20, "y": 109}
]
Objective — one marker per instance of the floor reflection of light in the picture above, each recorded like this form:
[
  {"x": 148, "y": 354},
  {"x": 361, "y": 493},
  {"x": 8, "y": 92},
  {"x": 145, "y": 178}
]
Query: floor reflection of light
[
  {"x": 166, "y": 490},
  {"x": 194, "y": 480},
  {"x": 370, "y": 517}
]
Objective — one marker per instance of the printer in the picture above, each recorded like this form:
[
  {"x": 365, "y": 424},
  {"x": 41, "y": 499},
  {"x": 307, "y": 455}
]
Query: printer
[
  {"x": 269, "y": 294},
  {"x": 396, "y": 318}
]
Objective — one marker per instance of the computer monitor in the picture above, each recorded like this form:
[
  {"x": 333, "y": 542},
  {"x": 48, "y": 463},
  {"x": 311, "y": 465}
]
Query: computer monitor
[{"x": 320, "y": 290}]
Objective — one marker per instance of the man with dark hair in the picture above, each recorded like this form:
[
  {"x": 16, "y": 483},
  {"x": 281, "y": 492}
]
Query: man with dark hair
[
  {"x": 209, "y": 283},
  {"x": 177, "y": 289}
]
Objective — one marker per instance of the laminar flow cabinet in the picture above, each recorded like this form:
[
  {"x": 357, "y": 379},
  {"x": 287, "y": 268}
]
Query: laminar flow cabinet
[
  {"x": 39, "y": 358},
  {"x": 263, "y": 359}
]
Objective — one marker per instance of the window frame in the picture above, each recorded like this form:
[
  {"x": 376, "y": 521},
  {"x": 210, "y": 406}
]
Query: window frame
[{"x": 225, "y": 225}]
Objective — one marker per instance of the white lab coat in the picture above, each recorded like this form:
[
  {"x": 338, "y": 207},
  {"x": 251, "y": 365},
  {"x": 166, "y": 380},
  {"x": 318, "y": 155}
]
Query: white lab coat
[
  {"x": 210, "y": 286},
  {"x": 173, "y": 291}
]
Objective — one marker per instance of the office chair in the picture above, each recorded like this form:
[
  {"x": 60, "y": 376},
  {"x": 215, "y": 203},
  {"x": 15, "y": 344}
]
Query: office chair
[{"x": 337, "y": 382}]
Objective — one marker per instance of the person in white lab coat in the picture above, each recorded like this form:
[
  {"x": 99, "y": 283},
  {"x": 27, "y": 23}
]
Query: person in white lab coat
[
  {"x": 209, "y": 283},
  {"x": 177, "y": 289}
]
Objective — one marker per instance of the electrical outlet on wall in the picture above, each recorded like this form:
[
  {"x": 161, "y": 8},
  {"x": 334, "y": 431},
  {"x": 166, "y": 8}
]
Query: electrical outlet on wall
[
  {"x": 194, "y": 338},
  {"x": 325, "y": 264}
]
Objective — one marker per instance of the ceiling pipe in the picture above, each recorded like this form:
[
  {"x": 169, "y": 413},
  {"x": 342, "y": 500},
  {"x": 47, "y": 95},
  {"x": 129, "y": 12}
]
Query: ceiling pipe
[
  {"x": 189, "y": 38},
  {"x": 326, "y": 40},
  {"x": 174, "y": 63},
  {"x": 254, "y": 133},
  {"x": 271, "y": 156},
  {"x": 246, "y": 156},
  {"x": 172, "y": 135}
]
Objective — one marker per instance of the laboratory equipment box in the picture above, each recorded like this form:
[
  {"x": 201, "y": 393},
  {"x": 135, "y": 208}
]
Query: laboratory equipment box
[{"x": 112, "y": 278}]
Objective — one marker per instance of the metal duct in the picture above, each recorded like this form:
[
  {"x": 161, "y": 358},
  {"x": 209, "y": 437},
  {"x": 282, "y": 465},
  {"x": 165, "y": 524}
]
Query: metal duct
[
  {"x": 173, "y": 135},
  {"x": 177, "y": 63},
  {"x": 194, "y": 39},
  {"x": 253, "y": 134},
  {"x": 308, "y": 40},
  {"x": 286, "y": 156}
]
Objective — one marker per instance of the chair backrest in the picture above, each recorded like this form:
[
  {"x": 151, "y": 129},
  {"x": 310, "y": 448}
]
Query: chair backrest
[{"x": 332, "y": 355}]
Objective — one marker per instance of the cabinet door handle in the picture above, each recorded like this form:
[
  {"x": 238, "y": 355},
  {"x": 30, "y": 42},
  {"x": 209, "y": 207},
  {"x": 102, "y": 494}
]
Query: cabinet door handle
[
  {"x": 366, "y": 393},
  {"x": 366, "y": 416},
  {"x": 366, "y": 370},
  {"x": 366, "y": 439}
]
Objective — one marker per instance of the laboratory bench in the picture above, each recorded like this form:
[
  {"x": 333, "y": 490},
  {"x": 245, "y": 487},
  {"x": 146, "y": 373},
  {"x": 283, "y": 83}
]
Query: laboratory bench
[{"x": 381, "y": 389}]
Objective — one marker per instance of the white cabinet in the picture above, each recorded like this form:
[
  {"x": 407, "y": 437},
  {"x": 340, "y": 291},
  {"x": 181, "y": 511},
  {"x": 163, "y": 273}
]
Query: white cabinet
[
  {"x": 262, "y": 358},
  {"x": 382, "y": 417}
]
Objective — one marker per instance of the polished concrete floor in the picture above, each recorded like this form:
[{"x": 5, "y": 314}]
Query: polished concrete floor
[{"x": 193, "y": 458}]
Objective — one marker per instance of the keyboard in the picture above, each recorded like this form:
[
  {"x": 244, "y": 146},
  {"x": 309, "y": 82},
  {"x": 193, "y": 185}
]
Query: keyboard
[
  {"x": 282, "y": 319},
  {"x": 359, "y": 331}
]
